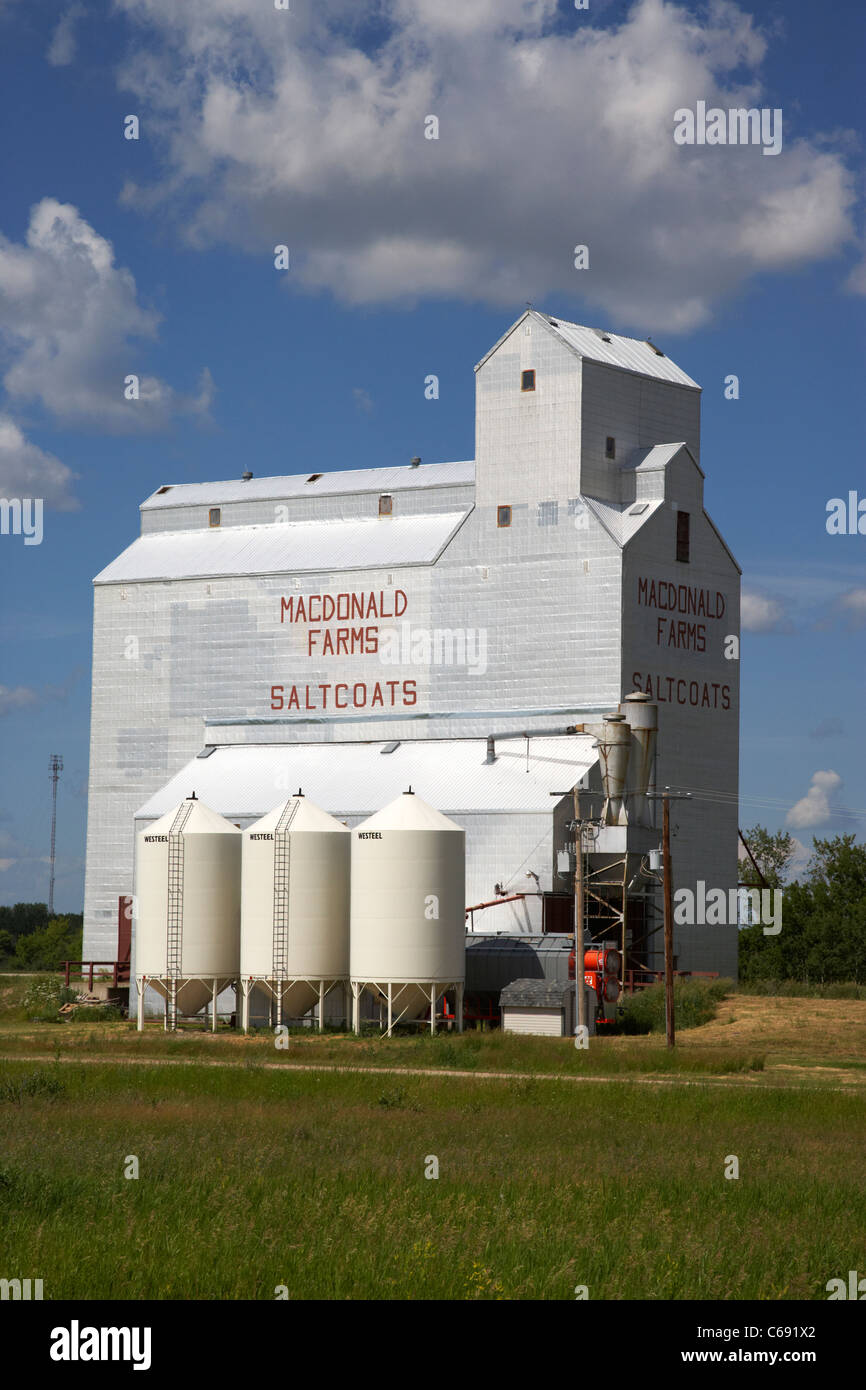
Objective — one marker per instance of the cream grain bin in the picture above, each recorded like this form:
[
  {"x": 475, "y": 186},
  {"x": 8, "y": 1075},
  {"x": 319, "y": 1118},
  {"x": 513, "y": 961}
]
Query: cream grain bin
[
  {"x": 294, "y": 907},
  {"x": 407, "y": 939},
  {"x": 188, "y": 893}
]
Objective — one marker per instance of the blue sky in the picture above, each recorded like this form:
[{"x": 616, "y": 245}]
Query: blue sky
[{"x": 409, "y": 257}]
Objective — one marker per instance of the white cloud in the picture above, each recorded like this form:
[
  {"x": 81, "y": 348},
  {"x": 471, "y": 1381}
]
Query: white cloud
[
  {"x": 760, "y": 613},
  {"x": 854, "y": 604},
  {"x": 815, "y": 807},
  {"x": 62, "y": 48},
  {"x": 21, "y": 697},
  {"x": 27, "y": 697},
  {"x": 554, "y": 131},
  {"x": 28, "y": 471},
  {"x": 71, "y": 323},
  {"x": 362, "y": 400}
]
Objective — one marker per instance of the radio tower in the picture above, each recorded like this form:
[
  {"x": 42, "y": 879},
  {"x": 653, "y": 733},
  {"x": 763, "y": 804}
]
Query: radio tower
[{"x": 55, "y": 768}]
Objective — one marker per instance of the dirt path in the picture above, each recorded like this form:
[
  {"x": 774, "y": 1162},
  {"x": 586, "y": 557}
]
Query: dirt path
[{"x": 755, "y": 1080}]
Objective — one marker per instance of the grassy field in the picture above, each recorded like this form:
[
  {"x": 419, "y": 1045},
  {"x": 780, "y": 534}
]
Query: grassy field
[{"x": 255, "y": 1172}]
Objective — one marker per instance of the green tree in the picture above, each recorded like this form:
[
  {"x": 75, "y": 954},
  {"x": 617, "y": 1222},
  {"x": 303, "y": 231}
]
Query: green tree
[
  {"x": 48, "y": 949},
  {"x": 773, "y": 853}
]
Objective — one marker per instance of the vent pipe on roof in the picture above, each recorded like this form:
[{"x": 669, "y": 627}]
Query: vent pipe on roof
[
  {"x": 491, "y": 749},
  {"x": 245, "y": 477},
  {"x": 413, "y": 463}
]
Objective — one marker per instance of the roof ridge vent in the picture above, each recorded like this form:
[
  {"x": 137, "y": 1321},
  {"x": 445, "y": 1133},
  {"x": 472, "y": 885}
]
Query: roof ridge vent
[{"x": 657, "y": 350}]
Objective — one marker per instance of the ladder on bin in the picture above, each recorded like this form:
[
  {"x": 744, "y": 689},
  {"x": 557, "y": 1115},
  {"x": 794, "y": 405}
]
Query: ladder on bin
[
  {"x": 282, "y": 866},
  {"x": 174, "y": 918}
]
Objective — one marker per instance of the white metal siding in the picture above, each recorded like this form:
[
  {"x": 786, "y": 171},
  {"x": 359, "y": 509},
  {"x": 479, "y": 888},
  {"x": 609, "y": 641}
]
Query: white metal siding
[{"x": 543, "y": 1022}]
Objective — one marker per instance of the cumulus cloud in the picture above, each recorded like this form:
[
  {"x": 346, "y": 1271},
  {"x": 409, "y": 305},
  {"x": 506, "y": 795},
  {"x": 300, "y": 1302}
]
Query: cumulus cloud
[
  {"x": 71, "y": 325},
  {"x": 63, "y": 45},
  {"x": 308, "y": 128},
  {"x": 760, "y": 613},
  {"x": 28, "y": 471},
  {"x": 815, "y": 807}
]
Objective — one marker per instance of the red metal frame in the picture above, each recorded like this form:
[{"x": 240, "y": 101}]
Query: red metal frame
[{"x": 119, "y": 969}]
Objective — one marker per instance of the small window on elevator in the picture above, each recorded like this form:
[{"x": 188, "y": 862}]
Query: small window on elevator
[
  {"x": 213, "y": 516},
  {"x": 610, "y": 447},
  {"x": 386, "y": 504},
  {"x": 527, "y": 380},
  {"x": 683, "y": 519},
  {"x": 503, "y": 516}
]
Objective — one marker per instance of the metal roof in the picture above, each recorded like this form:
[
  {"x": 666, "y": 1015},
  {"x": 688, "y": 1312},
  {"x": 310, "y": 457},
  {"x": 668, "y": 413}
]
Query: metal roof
[
  {"x": 286, "y": 548},
  {"x": 622, "y": 520},
  {"x": 658, "y": 456},
  {"x": 350, "y": 480},
  {"x": 356, "y": 779},
  {"x": 536, "y": 994},
  {"x": 611, "y": 349}
]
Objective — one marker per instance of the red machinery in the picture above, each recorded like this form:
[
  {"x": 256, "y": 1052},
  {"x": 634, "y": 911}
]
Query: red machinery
[{"x": 601, "y": 971}]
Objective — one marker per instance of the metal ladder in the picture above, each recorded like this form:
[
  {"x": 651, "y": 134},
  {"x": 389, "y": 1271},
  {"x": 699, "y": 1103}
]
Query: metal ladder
[
  {"x": 282, "y": 870},
  {"x": 174, "y": 918}
]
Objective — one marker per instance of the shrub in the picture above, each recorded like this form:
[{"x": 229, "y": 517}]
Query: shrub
[
  {"x": 44, "y": 998},
  {"x": 695, "y": 1002}
]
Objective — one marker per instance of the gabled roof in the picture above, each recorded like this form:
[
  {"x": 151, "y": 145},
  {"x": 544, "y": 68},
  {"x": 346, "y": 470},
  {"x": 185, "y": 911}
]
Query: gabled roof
[
  {"x": 294, "y": 547},
  {"x": 349, "y": 480},
  {"x": 611, "y": 349},
  {"x": 657, "y": 458}
]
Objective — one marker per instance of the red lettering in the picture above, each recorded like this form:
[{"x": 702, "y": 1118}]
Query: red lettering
[
  {"x": 357, "y": 606},
  {"x": 311, "y": 633},
  {"x": 328, "y": 644},
  {"x": 343, "y": 640},
  {"x": 315, "y": 599},
  {"x": 372, "y": 640},
  {"x": 286, "y": 606},
  {"x": 324, "y": 689},
  {"x": 337, "y": 689},
  {"x": 377, "y": 692},
  {"x": 275, "y": 696},
  {"x": 398, "y": 611},
  {"x": 343, "y": 607},
  {"x": 293, "y": 701},
  {"x": 327, "y": 608},
  {"x": 307, "y": 699},
  {"x": 409, "y": 689},
  {"x": 683, "y": 700},
  {"x": 359, "y": 704}
]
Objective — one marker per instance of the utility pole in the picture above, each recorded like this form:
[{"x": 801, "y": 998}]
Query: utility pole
[
  {"x": 55, "y": 768},
  {"x": 669, "y": 918},
  {"x": 579, "y": 982}
]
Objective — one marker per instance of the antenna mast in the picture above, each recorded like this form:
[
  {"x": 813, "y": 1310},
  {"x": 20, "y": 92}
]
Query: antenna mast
[{"x": 55, "y": 768}]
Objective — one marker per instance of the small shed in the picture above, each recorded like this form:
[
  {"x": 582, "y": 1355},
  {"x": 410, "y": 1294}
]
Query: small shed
[{"x": 544, "y": 1007}]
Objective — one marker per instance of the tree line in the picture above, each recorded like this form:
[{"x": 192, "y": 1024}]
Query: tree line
[
  {"x": 30, "y": 940},
  {"x": 823, "y": 936}
]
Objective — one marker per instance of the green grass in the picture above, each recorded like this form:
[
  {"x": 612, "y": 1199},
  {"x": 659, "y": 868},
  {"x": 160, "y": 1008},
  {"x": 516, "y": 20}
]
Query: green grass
[
  {"x": 496, "y": 1051},
  {"x": 252, "y": 1178}
]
